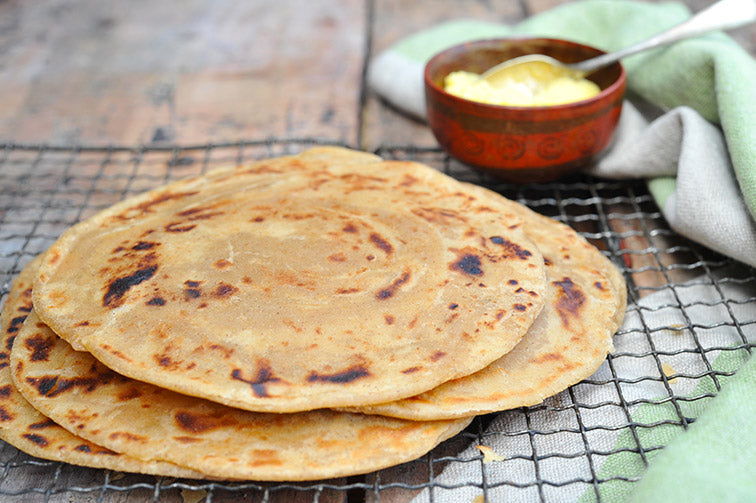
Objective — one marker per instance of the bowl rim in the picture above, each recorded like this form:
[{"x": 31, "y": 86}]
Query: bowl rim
[{"x": 618, "y": 83}]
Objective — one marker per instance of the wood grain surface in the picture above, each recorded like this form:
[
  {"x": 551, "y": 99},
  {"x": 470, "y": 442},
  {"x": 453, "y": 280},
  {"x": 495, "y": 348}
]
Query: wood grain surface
[{"x": 196, "y": 71}]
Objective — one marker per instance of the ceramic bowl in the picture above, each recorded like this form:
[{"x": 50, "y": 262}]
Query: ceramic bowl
[{"x": 522, "y": 144}]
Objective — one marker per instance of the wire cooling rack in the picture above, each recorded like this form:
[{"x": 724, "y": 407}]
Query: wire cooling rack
[{"x": 690, "y": 322}]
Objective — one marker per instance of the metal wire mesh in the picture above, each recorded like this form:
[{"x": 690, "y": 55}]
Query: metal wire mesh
[{"x": 592, "y": 441}]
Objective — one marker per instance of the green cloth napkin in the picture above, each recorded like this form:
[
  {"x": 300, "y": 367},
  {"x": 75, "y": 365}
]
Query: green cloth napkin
[
  {"x": 700, "y": 159},
  {"x": 715, "y": 460}
]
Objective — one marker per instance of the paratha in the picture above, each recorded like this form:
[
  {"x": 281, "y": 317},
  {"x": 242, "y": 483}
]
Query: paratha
[
  {"x": 325, "y": 279},
  {"x": 585, "y": 304},
  {"x": 22, "y": 426},
  {"x": 152, "y": 423}
]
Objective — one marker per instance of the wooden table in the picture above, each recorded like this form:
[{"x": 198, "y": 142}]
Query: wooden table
[{"x": 139, "y": 73}]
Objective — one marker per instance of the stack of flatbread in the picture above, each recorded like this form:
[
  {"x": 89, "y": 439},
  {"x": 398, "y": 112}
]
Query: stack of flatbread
[{"x": 304, "y": 317}]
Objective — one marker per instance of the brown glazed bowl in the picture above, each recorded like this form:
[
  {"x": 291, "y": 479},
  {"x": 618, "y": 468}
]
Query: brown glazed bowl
[{"x": 521, "y": 144}]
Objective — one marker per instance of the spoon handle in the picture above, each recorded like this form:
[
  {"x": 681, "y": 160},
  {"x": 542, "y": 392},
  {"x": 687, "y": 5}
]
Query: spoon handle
[{"x": 718, "y": 16}]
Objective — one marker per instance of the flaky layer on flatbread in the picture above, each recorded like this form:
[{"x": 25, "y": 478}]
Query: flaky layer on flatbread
[
  {"x": 22, "y": 426},
  {"x": 155, "y": 424},
  {"x": 327, "y": 279},
  {"x": 585, "y": 304}
]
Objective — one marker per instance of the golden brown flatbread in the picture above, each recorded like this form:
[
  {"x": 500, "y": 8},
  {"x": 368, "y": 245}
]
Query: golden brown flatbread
[
  {"x": 326, "y": 279},
  {"x": 585, "y": 304},
  {"x": 22, "y": 426},
  {"x": 152, "y": 423}
]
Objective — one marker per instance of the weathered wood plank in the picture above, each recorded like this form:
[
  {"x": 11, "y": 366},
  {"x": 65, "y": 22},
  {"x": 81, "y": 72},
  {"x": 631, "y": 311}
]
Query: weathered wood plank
[{"x": 194, "y": 71}]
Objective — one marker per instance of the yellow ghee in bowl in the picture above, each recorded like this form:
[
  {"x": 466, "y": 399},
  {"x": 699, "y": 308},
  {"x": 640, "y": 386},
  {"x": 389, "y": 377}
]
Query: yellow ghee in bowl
[{"x": 531, "y": 86}]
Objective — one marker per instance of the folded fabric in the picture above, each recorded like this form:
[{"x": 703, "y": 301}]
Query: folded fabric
[
  {"x": 686, "y": 161},
  {"x": 701, "y": 158},
  {"x": 715, "y": 459}
]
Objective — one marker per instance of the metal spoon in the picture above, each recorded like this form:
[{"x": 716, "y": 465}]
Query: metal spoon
[{"x": 718, "y": 16}]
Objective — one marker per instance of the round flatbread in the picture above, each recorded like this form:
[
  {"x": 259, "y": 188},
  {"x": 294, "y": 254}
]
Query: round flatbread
[
  {"x": 326, "y": 279},
  {"x": 22, "y": 426},
  {"x": 152, "y": 423},
  {"x": 585, "y": 304}
]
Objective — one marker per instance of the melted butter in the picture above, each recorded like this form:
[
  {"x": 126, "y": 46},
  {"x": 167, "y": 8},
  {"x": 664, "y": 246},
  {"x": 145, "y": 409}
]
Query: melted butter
[{"x": 528, "y": 87}]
